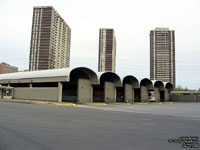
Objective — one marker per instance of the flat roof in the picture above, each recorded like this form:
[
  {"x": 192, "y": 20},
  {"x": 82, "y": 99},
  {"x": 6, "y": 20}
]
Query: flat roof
[{"x": 37, "y": 74}]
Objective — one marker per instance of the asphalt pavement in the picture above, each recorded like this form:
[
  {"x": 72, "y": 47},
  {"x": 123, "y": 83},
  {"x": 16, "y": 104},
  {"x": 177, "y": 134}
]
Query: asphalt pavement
[{"x": 88, "y": 127}]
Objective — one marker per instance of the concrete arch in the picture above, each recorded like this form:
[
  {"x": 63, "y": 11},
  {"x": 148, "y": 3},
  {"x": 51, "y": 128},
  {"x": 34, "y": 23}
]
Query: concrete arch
[
  {"x": 111, "y": 77},
  {"x": 79, "y": 86},
  {"x": 168, "y": 87},
  {"x": 83, "y": 72},
  {"x": 158, "y": 84},
  {"x": 106, "y": 89},
  {"x": 146, "y": 85},
  {"x": 146, "y": 82},
  {"x": 131, "y": 80},
  {"x": 130, "y": 84},
  {"x": 159, "y": 90}
]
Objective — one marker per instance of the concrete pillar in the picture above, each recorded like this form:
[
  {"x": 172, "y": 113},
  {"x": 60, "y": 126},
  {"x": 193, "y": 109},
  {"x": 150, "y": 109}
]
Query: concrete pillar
[
  {"x": 144, "y": 94},
  {"x": 91, "y": 95},
  {"x": 84, "y": 91},
  {"x": 157, "y": 94},
  {"x": 60, "y": 87},
  {"x": 109, "y": 92},
  {"x": 166, "y": 95},
  {"x": 1, "y": 94},
  {"x": 12, "y": 92},
  {"x": 30, "y": 85},
  {"x": 128, "y": 93}
]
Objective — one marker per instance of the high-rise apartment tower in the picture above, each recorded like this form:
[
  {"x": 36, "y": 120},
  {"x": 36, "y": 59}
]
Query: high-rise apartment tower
[
  {"x": 50, "y": 40},
  {"x": 107, "y": 50},
  {"x": 162, "y": 55}
]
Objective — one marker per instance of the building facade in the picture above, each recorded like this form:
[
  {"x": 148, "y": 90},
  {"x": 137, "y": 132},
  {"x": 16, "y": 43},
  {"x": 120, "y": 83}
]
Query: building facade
[
  {"x": 107, "y": 50},
  {"x": 6, "y": 68},
  {"x": 83, "y": 85},
  {"x": 162, "y": 55},
  {"x": 50, "y": 40}
]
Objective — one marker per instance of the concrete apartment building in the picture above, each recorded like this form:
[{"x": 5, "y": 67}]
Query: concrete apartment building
[
  {"x": 50, "y": 40},
  {"x": 162, "y": 55},
  {"x": 6, "y": 68},
  {"x": 107, "y": 50}
]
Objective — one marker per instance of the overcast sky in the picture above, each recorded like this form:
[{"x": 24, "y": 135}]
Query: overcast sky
[{"x": 132, "y": 21}]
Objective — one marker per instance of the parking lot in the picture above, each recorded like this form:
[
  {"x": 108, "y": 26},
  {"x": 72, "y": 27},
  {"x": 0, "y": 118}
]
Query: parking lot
[{"x": 90, "y": 127}]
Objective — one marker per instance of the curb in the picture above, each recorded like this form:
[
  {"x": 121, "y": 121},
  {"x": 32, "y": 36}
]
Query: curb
[
  {"x": 72, "y": 104},
  {"x": 39, "y": 102},
  {"x": 118, "y": 103},
  {"x": 125, "y": 103},
  {"x": 143, "y": 103},
  {"x": 152, "y": 103},
  {"x": 98, "y": 104}
]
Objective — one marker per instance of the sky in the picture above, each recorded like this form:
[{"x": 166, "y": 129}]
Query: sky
[{"x": 132, "y": 21}]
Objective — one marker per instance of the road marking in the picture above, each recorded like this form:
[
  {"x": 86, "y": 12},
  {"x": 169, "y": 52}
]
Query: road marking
[
  {"x": 39, "y": 102},
  {"x": 72, "y": 104}
]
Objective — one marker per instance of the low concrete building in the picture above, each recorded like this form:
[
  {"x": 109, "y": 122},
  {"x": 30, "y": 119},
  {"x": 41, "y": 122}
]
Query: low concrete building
[
  {"x": 82, "y": 85},
  {"x": 185, "y": 96},
  {"x": 68, "y": 84}
]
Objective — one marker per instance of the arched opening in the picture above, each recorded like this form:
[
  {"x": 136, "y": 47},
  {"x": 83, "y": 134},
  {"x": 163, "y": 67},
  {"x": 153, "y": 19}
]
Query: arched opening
[
  {"x": 146, "y": 86},
  {"x": 79, "y": 88},
  {"x": 130, "y": 85},
  {"x": 168, "y": 88},
  {"x": 106, "y": 91},
  {"x": 159, "y": 91}
]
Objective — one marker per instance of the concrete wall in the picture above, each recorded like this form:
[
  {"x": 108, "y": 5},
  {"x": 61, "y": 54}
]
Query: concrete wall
[
  {"x": 50, "y": 94},
  {"x": 109, "y": 92},
  {"x": 1, "y": 93},
  {"x": 167, "y": 95},
  {"x": 84, "y": 91},
  {"x": 128, "y": 93},
  {"x": 184, "y": 98},
  {"x": 144, "y": 94},
  {"x": 198, "y": 98},
  {"x": 157, "y": 94}
]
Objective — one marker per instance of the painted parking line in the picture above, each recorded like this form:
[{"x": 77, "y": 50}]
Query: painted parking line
[{"x": 39, "y": 102}]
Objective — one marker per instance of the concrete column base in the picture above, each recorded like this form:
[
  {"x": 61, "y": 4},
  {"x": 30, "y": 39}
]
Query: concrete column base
[
  {"x": 109, "y": 92},
  {"x": 128, "y": 93},
  {"x": 60, "y": 87},
  {"x": 84, "y": 91},
  {"x": 157, "y": 94},
  {"x": 144, "y": 94},
  {"x": 166, "y": 95}
]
